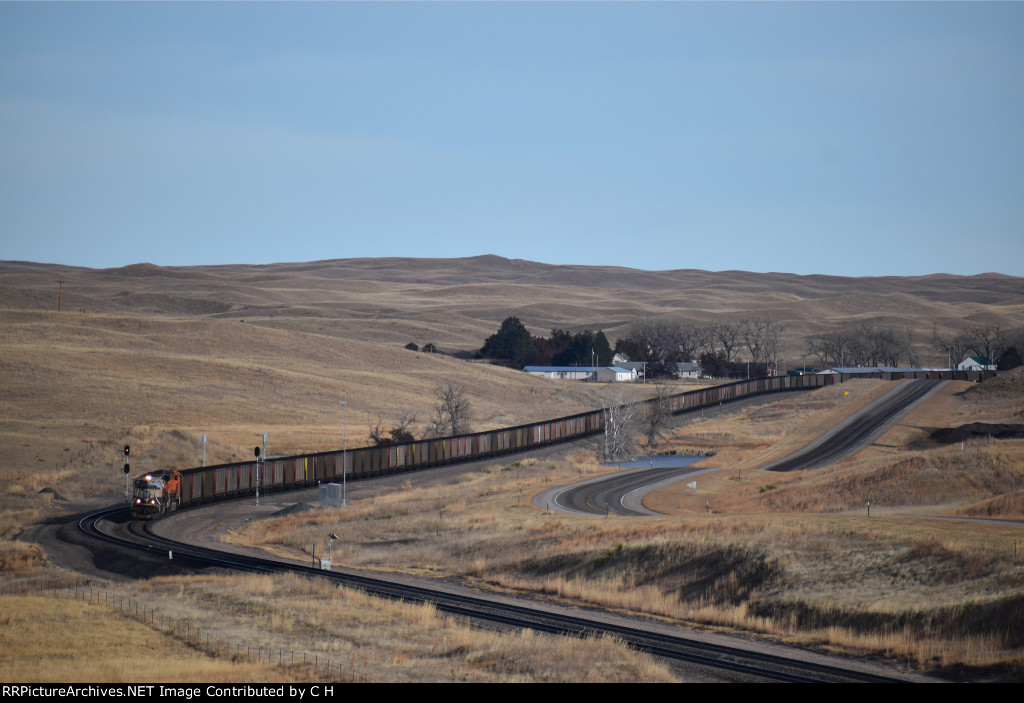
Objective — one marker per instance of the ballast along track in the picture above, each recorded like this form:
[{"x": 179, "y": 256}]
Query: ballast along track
[{"x": 738, "y": 661}]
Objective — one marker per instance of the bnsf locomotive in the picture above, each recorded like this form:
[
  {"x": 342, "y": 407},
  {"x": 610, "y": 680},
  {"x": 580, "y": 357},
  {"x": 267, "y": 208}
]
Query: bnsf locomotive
[{"x": 155, "y": 494}]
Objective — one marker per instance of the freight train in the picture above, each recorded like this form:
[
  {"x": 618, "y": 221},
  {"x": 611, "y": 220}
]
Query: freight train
[{"x": 212, "y": 483}]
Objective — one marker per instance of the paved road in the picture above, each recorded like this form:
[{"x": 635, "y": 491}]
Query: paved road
[
  {"x": 622, "y": 493},
  {"x": 860, "y": 429}
]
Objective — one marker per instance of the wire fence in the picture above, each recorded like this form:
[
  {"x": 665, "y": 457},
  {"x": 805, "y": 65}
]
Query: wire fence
[{"x": 322, "y": 669}]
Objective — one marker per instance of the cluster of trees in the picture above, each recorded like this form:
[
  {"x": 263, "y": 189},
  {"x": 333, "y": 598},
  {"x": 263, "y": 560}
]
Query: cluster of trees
[
  {"x": 717, "y": 346},
  {"x": 1002, "y": 346},
  {"x": 515, "y": 343},
  {"x": 870, "y": 345},
  {"x": 427, "y": 348},
  {"x": 659, "y": 343},
  {"x": 663, "y": 343},
  {"x": 718, "y": 365},
  {"x": 452, "y": 414},
  {"x": 863, "y": 345}
]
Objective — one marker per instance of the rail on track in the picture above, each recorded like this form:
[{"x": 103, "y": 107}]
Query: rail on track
[
  {"x": 751, "y": 663},
  {"x": 205, "y": 484}
]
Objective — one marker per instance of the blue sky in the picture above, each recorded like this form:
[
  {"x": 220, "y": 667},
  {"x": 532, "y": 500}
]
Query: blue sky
[{"x": 841, "y": 138}]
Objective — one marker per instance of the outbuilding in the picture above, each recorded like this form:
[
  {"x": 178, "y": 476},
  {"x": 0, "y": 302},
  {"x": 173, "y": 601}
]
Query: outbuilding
[
  {"x": 976, "y": 363},
  {"x": 688, "y": 369},
  {"x": 615, "y": 374},
  {"x": 569, "y": 373}
]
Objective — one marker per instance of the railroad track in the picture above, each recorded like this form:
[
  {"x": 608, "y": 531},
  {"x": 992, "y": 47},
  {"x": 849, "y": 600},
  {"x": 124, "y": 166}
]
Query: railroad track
[{"x": 751, "y": 665}]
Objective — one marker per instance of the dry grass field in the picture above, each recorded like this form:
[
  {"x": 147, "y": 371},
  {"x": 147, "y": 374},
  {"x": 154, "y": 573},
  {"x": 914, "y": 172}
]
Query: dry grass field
[
  {"x": 156, "y": 357},
  {"x": 207, "y": 629},
  {"x": 792, "y": 556}
]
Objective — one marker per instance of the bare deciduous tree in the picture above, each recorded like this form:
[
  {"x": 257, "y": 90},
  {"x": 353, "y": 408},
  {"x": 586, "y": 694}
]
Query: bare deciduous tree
[
  {"x": 829, "y": 347},
  {"x": 760, "y": 335},
  {"x": 452, "y": 412},
  {"x": 621, "y": 426},
  {"x": 376, "y": 433},
  {"x": 955, "y": 344},
  {"x": 400, "y": 432},
  {"x": 727, "y": 336},
  {"x": 988, "y": 340},
  {"x": 656, "y": 415},
  {"x": 864, "y": 345}
]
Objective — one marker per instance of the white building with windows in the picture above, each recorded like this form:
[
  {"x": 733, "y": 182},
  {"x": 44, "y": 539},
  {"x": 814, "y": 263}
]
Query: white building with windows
[
  {"x": 688, "y": 369},
  {"x": 976, "y": 363}
]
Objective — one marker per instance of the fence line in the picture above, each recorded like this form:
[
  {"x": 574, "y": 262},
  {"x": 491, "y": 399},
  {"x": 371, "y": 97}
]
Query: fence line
[{"x": 182, "y": 630}]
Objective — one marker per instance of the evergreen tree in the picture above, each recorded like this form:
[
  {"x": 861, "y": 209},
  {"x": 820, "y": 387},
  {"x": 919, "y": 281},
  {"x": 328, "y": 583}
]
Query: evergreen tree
[{"x": 512, "y": 341}]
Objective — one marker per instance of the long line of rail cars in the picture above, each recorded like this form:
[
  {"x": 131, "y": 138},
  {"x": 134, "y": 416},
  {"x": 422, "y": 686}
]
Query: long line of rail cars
[{"x": 203, "y": 485}]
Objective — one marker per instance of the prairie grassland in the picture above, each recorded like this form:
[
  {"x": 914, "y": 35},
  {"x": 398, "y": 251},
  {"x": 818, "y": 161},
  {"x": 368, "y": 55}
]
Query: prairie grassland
[
  {"x": 902, "y": 471},
  {"x": 77, "y": 388},
  {"x": 48, "y": 639},
  {"x": 156, "y": 357},
  {"x": 278, "y": 629},
  {"x": 755, "y": 436},
  {"x": 792, "y": 556},
  {"x": 456, "y": 303}
]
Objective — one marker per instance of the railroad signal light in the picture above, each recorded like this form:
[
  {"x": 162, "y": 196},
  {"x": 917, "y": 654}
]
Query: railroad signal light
[
  {"x": 126, "y": 467},
  {"x": 127, "y": 450},
  {"x": 257, "y": 452}
]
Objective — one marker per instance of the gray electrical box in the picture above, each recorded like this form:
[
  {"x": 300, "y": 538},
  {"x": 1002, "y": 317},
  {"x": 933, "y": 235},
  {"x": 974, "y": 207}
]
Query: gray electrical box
[{"x": 330, "y": 495}]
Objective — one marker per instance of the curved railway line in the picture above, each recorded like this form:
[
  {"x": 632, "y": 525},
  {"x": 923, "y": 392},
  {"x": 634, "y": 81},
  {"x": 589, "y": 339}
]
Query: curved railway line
[
  {"x": 748, "y": 664},
  {"x": 115, "y": 527}
]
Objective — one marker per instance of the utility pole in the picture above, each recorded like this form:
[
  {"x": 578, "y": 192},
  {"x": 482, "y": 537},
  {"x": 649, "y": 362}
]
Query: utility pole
[
  {"x": 60, "y": 292},
  {"x": 344, "y": 453}
]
